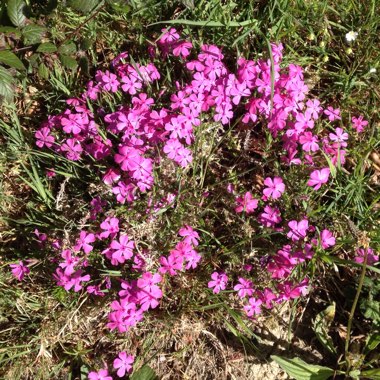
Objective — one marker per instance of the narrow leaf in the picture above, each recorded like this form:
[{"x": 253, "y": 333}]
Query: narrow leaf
[
  {"x": 11, "y": 59},
  {"x": 300, "y": 370},
  {"x": 373, "y": 374},
  {"x": 321, "y": 327},
  {"x": 218, "y": 24}
]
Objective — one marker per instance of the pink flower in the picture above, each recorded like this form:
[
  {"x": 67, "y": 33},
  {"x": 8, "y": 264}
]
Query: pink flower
[
  {"x": 246, "y": 203},
  {"x": 19, "y": 270},
  {"x": 339, "y": 137},
  {"x": 244, "y": 288},
  {"x": 327, "y": 239},
  {"x": 44, "y": 138},
  {"x": 333, "y": 114},
  {"x": 182, "y": 49},
  {"x": 253, "y": 307},
  {"x": 73, "y": 149},
  {"x": 270, "y": 217},
  {"x": 218, "y": 283},
  {"x": 122, "y": 249},
  {"x": 275, "y": 187},
  {"x": 298, "y": 230},
  {"x": 110, "y": 227},
  {"x": 190, "y": 236},
  {"x": 318, "y": 177},
  {"x": 359, "y": 123},
  {"x": 102, "y": 374},
  {"x": 371, "y": 257},
  {"x": 309, "y": 142},
  {"x": 84, "y": 242},
  {"x": 123, "y": 363},
  {"x": 171, "y": 264}
]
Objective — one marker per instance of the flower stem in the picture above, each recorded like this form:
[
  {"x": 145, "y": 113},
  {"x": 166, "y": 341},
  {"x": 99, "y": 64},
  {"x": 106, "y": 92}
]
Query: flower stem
[{"x": 353, "y": 308}]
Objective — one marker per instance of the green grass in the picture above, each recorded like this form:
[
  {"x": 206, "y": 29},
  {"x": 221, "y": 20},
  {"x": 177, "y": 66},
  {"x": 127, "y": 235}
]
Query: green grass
[{"x": 46, "y": 333}]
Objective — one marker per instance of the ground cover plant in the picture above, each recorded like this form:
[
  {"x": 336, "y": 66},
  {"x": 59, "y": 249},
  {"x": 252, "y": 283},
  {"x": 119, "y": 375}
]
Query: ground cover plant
[{"x": 185, "y": 190}]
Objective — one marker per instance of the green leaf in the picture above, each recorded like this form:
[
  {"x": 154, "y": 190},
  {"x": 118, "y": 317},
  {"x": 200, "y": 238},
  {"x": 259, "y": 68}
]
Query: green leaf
[
  {"x": 47, "y": 47},
  {"x": 144, "y": 373},
  {"x": 84, "y": 6},
  {"x": 373, "y": 374},
  {"x": 322, "y": 325},
  {"x": 68, "y": 48},
  {"x": 300, "y": 370},
  {"x": 33, "y": 34},
  {"x": 11, "y": 59},
  {"x": 372, "y": 342},
  {"x": 217, "y": 24},
  {"x": 68, "y": 62},
  {"x": 15, "y": 10},
  {"x": 371, "y": 310},
  {"x": 6, "y": 84},
  {"x": 43, "y": 71}
]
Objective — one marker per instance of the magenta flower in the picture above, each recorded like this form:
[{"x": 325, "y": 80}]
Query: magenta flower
[
  {"x": 190, "y": 236},
  {"x": 318, "y": 178},
  {"x": 122, "y": 249},
  {"x": 298, "y": 230},
  {"x": 84, "y": 242},
  {"x": 170, "y": 265},
  {"x": 218, "y": 283},
  {"x": 123, "y": 363},
  {"x": 19, "y": 270},
  {"x": 102, "y": 374},
  {"x": 339, "y": 137},
  {"x": 110, "y": 227},
  {"x": 44, "y": 138},
  {"x": 332, "y": 114},
  {"x": 244, "y": 288},
  {"x": 327, "y": 239},
  {"x": 371, "y": 257},
  {"x": 309, "y": 142},
  {"x": 73, "y": 149},
  {"x": 253, "y": 307},
  {"x": 182, "y": 49},
  {"x": 246, "y": 203},
  {"x": 359, "y": 123},
  {"x": 109, "y": 81},
  {"x": 270, "y": 217},
  {"x": 275, "y": 187}
]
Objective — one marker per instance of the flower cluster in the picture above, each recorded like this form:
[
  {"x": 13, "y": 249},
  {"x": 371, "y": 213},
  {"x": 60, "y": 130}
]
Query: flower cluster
[{"x": 146, "y": 129}]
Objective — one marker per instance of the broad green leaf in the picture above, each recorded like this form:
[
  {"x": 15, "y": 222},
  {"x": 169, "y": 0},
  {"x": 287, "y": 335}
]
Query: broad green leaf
[
  {"x": 144, "y": 373},
  {"x": 68, "y": 62},
  {"x": 47, "y": 47},
  {"x": 372, "y": 342},
  {"x": 322, "y": 325},
  {"x": 8, "y": 29},
  {"x": 67, "y": 48},
  {"x": 15, "y": 10},
  {"x": 6, "y": 85},
  {"x": 43, "y": 71},
  {"x": 300, "y": 370},
  {"x": 84, "y": 6},
  {"x": 371, "y": 310},
  {"x": 11, "y": 59},
  {"x": 373, "y": 374},
  {"x": 33, "y": 34}
]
